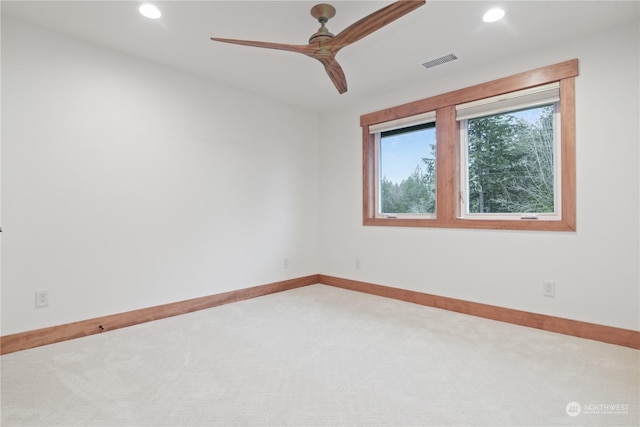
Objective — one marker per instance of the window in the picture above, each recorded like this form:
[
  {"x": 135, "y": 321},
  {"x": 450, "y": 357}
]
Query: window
[
  {"x": 406, "y": 168},
  {"x": 510, "y": 155},
  {"x": 504, "y": 156}
]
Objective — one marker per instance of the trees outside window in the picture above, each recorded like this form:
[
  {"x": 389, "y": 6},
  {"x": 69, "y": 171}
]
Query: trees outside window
[
  {"x": 407, "y": 170},
  {"x": 510, "y": 162}
]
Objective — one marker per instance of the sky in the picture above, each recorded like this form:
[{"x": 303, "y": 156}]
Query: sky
[{"x": 401, "y": 153}]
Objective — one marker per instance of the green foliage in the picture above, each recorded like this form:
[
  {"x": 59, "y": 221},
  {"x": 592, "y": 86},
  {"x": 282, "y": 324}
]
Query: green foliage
[
  {"x": 414, "y": 194},
  {"x": 511, "y": 164}
]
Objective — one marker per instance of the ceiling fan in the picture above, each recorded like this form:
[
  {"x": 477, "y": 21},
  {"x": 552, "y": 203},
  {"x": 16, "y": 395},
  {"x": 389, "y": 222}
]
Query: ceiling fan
[{"x": 324, "y": 46}]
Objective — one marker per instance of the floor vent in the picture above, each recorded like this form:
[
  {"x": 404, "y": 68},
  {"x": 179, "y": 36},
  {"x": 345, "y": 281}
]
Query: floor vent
[{"x": 439, "y": 61}]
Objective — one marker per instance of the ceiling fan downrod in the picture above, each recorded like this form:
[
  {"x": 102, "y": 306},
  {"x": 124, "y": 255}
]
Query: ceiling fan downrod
[{"x": 322, "y": 12}]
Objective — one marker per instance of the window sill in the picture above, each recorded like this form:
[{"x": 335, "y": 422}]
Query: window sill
[{"x": 519, "y": 224}]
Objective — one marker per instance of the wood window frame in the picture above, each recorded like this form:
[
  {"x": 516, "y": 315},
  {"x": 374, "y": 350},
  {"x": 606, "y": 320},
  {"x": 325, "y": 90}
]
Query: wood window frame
[{"x": 447, "y": 152}]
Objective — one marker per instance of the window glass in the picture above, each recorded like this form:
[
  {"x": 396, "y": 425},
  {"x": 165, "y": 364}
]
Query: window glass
[
  {"x": 511, "y": 162},
  {"x": 407, "y": 170}
]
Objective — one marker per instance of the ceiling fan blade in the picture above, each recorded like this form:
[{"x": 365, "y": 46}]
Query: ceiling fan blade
[
  {"x": 335, "y": 72},
  {"x": 304, "y": 49},
  {"x": 373, "y": 22}
]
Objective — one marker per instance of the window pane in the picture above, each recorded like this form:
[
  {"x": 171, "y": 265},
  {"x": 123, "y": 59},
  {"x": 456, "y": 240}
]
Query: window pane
[
  {"x": 407, "y": 170},
  {"x": 511, "y": 162}
]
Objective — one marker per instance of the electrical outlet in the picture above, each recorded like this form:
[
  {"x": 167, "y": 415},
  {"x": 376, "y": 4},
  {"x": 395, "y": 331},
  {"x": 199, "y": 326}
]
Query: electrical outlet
[
  {"x": 42, "y": 298},
  {"x": 357, "y": 264},
  {"x": 285, "y": 263},
  {"x": 549, "y": 288}
]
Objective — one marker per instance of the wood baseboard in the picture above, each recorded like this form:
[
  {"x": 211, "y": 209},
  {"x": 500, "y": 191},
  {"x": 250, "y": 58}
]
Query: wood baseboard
[
  {"x": 607, "y": 334},
  {"x": 54, "y": 334}
]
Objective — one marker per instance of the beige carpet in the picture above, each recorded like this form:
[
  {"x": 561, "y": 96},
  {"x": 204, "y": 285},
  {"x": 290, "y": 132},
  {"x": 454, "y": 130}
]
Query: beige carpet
[{"x": 322, "y": 356}]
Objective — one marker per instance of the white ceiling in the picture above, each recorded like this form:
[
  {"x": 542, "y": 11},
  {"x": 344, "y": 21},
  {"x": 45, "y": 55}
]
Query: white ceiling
[{"x": 381, "y": 61}]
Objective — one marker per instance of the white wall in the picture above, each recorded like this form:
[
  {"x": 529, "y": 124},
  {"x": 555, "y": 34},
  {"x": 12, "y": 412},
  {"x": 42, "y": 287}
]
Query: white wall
[
  {"x": 596, "y": 268},
  {"x": 128, "y": 185}
]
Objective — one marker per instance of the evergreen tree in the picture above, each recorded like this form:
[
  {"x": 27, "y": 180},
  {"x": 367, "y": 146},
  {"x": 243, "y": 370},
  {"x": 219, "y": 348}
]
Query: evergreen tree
[
  {"x": 414, "y": 194},
  {"x": 511, "y": 164}
]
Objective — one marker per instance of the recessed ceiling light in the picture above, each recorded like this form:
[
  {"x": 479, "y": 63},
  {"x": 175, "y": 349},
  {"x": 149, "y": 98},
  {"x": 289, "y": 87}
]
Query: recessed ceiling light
[
  {"x": 493, "y": 15},
  {"x": 150, "y": 11}
]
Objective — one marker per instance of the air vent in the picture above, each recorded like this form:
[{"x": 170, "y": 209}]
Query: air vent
[{"x": 439, "y": 61}]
